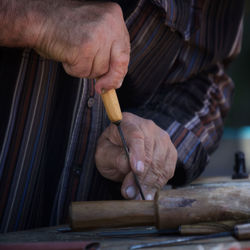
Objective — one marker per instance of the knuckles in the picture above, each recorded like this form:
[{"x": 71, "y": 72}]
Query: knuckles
[
  {"x": 151, "y": 126},
  {"x": 114, "y": 7},
  {"x": 81, "y": 41},
  {"x": 160, "y": 153}
]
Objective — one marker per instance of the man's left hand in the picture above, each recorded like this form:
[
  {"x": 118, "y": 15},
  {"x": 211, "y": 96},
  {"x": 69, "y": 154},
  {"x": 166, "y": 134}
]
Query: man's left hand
[{"x": 152, "y": 156}]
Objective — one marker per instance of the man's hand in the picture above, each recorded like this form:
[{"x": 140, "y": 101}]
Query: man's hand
[
  {"x": 89, "y": 38},
  {"x": 152, "y": 156}
]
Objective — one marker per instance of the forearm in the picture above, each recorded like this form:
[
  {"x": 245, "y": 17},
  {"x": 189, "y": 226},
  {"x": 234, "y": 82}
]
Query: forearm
[
  {"x": 20, "y": 22},
  {"x": 89, "y": 38}
]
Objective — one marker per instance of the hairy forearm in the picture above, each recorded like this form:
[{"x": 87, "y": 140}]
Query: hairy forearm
[
  {"x": 89, "y": 38},
  {"x": 16, "y": 23},
  {"x": 21, "y": 21}
]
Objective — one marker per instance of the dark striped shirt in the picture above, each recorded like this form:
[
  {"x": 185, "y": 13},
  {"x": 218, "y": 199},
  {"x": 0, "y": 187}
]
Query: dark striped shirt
[{"x": 50, "y": 122}]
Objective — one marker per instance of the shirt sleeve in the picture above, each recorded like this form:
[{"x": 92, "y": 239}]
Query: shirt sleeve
[
  {"x": 192, "y": 112},
  {"x": 181, "y": 16}
]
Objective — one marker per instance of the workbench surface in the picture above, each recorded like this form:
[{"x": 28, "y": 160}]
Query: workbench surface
[{"x": 52, "y": 235}]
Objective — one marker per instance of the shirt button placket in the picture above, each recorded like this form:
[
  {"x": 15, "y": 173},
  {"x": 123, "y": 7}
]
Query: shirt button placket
[{"x": 91, "y": 102}]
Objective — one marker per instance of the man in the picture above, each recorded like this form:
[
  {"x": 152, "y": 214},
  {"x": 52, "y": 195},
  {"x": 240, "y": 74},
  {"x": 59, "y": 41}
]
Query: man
[{"x": 175, "y": 95}]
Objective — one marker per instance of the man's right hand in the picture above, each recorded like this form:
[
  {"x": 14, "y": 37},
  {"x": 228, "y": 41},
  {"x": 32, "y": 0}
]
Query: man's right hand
[{"x": 89, "y": 38}]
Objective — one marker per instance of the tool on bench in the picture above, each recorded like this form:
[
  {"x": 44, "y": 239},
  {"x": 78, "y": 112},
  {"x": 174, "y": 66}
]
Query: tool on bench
[
  {"x": 170, "y": 209},
  {"x": 114, "y": 113},
  {"x": 184, "y": 230},
  {"x": 241, "y": 232},
  {"x": 240, "y": 166}
]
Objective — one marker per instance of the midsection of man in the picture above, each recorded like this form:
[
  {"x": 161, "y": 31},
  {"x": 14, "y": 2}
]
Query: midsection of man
[{"x": 50, "y": 121}]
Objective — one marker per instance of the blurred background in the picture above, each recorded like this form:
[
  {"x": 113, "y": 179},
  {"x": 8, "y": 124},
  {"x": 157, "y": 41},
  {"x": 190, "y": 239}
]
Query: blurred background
[{"x": 236, "y": 135}]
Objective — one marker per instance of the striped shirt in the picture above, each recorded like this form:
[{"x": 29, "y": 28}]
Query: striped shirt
[{"x": 50, "y": 121}]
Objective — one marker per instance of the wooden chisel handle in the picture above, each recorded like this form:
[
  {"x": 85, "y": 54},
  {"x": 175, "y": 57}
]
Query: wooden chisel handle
[{"x": 112, "y": 105}]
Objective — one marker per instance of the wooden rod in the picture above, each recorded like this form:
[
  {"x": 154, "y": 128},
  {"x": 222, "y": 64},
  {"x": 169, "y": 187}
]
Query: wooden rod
[
  {"x": 169, "y": 210},
  {"x": 186, "y": 206},
  {"x": 97, "y": 214}
]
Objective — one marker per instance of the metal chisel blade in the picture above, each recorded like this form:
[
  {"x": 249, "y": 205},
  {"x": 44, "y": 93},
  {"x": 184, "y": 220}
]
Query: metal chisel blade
[{"x": 127, "y": 154}]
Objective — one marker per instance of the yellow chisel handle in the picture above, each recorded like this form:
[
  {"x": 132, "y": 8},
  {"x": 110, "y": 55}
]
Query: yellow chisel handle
[{"x": 112, "y": 105}]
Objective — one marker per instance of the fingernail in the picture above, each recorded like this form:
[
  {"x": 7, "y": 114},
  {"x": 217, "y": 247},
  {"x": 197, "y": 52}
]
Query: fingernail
[
  {"x": 130, "y": 191},
  {"x": 149, "y": 197},
  {"x": 140, "y": 166}
]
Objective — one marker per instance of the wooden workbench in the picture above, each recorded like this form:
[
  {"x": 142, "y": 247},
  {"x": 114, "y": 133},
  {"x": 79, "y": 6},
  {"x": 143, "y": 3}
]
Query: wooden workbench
[{"x": 52, "y": 235}]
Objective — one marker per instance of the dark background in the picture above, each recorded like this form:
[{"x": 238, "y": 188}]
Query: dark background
[
  {"x": 236, "y": 136},
  {"x": 239, "y": 70}
]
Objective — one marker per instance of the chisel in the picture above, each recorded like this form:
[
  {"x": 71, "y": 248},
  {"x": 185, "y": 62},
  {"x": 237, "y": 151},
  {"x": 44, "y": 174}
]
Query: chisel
[
  {"x": 114, "y": 114},
  {"x": 240, "y": 232}
]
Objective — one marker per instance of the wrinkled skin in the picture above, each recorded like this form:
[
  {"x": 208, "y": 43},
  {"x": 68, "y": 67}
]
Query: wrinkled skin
[
  {"x": 90, "y": 39},
  {"x": 152, "y": 156}
]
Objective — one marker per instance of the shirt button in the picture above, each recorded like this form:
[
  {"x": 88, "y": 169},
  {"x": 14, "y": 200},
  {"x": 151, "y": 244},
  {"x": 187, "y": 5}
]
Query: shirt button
[
  {"x": 173, "y": 29},
  {"x": 76, "y": 169},
  {"x": 91, "y": 102}
]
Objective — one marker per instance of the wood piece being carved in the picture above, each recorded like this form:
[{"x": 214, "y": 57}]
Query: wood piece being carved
[{"x": 170, "y": 209}]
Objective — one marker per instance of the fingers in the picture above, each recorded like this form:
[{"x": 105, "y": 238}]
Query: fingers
[
  {"x": 110, "y": 158},
  {"x": 81, "y": 62},
  {"x": 135, "y": 140},
  {"x": 92, "y": 41},
  {"x": 100, "y": 64},
  {"x": 129, "y": 190},
  {"x": 118, "y": 67},
  {"x": 168, "y": 161},
  {"x": 137, "y": 154},
  {"x": 162, "y": 169},
  {"x": 149, "y": 192},
  {"x": 108, "y": 63},
  {"x": 79, "y": 70},
  {"x": 171, "y": 159},
  {"x": 152, "y": 148},
  {"x": 152, "y": 156}
]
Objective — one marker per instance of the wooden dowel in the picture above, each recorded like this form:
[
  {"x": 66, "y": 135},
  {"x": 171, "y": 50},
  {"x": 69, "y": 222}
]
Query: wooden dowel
[
  {"x": 169, "y": 210},
  {"x": 97, "y": 214},
  {"x": 187, "y": 206}
]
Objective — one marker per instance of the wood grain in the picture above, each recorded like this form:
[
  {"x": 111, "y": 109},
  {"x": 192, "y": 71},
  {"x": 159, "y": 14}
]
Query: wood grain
[
  {"x": 171, "y": 208},
  {"x": 204, "y": 204},
  {"x": 112, "y": 105},
  {"x": 97, "y": 214}
]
